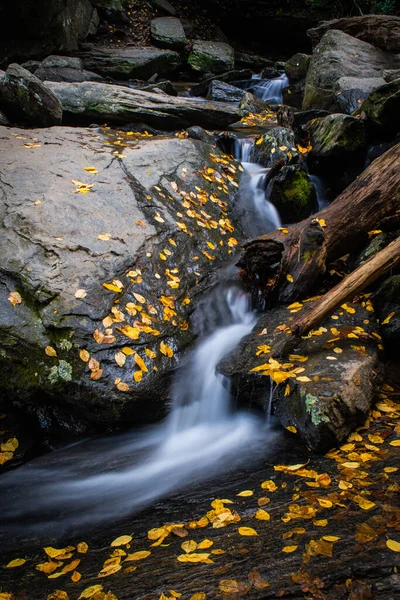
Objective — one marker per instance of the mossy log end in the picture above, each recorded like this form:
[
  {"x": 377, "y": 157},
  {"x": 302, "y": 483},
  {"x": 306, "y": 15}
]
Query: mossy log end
[{"x": 283, "y": 267}]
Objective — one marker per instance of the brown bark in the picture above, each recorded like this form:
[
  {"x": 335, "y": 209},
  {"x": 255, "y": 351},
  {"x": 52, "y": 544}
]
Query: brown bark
[
  {"x": 351, "y": 285},
  {"x": 285, "y": 266}
]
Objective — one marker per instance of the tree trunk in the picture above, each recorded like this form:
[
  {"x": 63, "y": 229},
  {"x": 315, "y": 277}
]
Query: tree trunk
[{"x": 284, "y": 267}]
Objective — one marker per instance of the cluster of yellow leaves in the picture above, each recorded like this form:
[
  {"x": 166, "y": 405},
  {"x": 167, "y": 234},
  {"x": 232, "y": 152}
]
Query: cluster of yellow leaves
[
  {"x": 81, "y": 188},
  {"x": 280, "y": 372},
  {"x": 7, "y": 450}
]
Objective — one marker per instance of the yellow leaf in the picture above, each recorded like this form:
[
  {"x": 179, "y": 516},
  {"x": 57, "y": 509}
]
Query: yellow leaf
[
  {"x": 89, "y": 592},
  {"x": 395, "y": 443},
  {"x": 289, "y": 549},
  {"x": 321, "y": 522},
  {"x": 137, "y": 376},
  {"x": 10, "y": 445},
  {"x": 91, "y": 170},
  {"x": 324, "y": 503},
  {"x": 189, "y": 546},
  {"x": 259, "y": 141},
  {"x": 263, "y": 515},
  {"x": 80, "y": 294},
  {"x": 199, "y": 596},
  {"x": 55, "y": 552},
  {"x": 112, "y": 287},
  {"x": 15, "y": 298},
  {"x": 82, "y": 547},
  {"x": 122, "y": 540},
  {"x": 229, "y": 586},
  {"x": 247, "y": 531},
  {"x": 71, "y": 566},
  {"x": 76, "y": 576},
  {"x": 289, "y": 278},
  {"x": 283, "y": 229},
  {"x": 393, "y": 545},
  {"x": 193, "y": 558},
  {"x": 57, "y": 595},
  {"x": 269, "y": 485},
  {"x": 245, "y": 493},
  {"x": 140, "y": 555},
  {"x": 84, "y": 355},
  {"x": 166, "y": 350},
  {"x": 351, "y": 465},
  {"x": 130, "y": 332},
  {"x": 17, "y": 562},
  {"x": 364, "y": 503},
  {"x": 205, "y": 544},
  {"x": 331, "y": 538},
  {"x": 297, "y": 357},
  {"x": 291, "y": 428},
  {"x": 303, "y": 378},
  {"x": 150, "y": 353},
  {"x": 140, "y": 363},
  {"x": 48, "y": 567},
  {"x": 50, "y": 351},
  {"x": 109, "y": 570}
]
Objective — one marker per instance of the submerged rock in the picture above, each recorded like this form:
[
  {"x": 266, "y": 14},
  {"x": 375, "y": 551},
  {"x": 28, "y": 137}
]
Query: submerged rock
[
  {"x": 25, "y": 99},
  {"x": 293, "y": 194},
  {"x": 211, "y": 57},
  {"x": 104, "y": 102},
  {"x": 339, "y": 55},
  {"x": 277, "y": 145},
  {"x": 168, "y": 32},
  {"x": 334, "y": 387},
  {"x": 105, "y": 250}
]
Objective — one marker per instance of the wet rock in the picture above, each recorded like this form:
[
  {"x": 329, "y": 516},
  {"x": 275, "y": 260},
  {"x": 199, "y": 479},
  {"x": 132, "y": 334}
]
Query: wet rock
[
  {"x": 293, "y": 95},
  {"x": 165, "y": 6},
  {"x": 270, "y": 73},
  {"x": 275, "y": 146},
  {"x": 391, "y": 74},
  {"x": 165, "y": 86},
  {"x": 335, "y": 391},
  {"x": 3, "y": 119},
  {"x": 211, "y": 57},
  {"x": 224, "y": 92},
  {"x": 65, "y": 68},
  {"x": 303, "y": 117},
  {"x": 382, "y": 31},
  {"x": 293, "y": 194},
  {"x": 31, "y": 65},
  {"x": 201, "y": 88},
  {"x": 297, "y": 66},
  {"x": 99, "y": 101},
  {"x": 337, "y": 56},
  {"x": 352, "y": 91},
  {"x": 198, "y": 133},
  {"x": 60, "y": 347},
  {"x": 167, "y": 32},
  {"x": 110, "y": 5},
  {"x": 387, "y": 305},
  {"x": 25, "y": 99},
  {"x": 251, "y": 104},
  {"x": 253, "y": 61},
  {"x": 336, "y": 135},
  {"x": 130, "y": 63},
  {"x": 382, "y": 107}
]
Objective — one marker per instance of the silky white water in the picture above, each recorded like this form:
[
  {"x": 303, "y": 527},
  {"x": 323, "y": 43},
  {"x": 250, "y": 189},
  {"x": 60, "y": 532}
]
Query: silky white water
[{"x": 269, "y": 90}]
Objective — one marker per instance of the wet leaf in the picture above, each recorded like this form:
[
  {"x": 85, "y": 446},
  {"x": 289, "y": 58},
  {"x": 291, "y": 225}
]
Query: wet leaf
[
  {"x": 189, "y": 546},
  {"x": 15, "y": 298},
  {"x": 245, "y": 493},
  {"x": 289, "y": 549},
  {"x": 393, "y": 545},
  {"x": 48, "y": 567},
  {"x": 290, "y": 278},
  {"x": 90, "y": 591},
  {"x": 138, "y": 376},
  {"x": 55, "y": 552},
  {"x": 199, "y": 596},
  {"x": 76, "y": 576},
  {"x": 84, "y": 355},
  {"x": 263, "y": 515},
  {"x": 50, "y": 351},
  {"x": 247, "y": 531},
  {"x": 140, "y": 555},
  {"x": 57, "y": 595},
  {"x": 331, "y": 538},
  {"x": 92, "y": 170},
  {"x": 269, "y": 485},
  {"x": 71, "y": 566},
  {"x": 109, "y": 570},
  {"x": 194, "y": 558},
  {"x": 140, "y": 363},
  {"x": 17, "y": 562},
  {"x": 166, "y": 350},
  {"x": 122, "y": 540},
  {"x": 120, "y": 359},
  {"x": 205, "y": 544},
  {"x": 324, "y": 503},
  {"x": 395, "y": 443},
  {"x": 229, "y": 586}
]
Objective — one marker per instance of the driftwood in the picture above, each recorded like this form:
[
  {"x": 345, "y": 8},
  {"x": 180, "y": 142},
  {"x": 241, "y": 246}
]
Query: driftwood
[
  {"x": 284, "y": 267},
  {"x": 351, "y": 285}
]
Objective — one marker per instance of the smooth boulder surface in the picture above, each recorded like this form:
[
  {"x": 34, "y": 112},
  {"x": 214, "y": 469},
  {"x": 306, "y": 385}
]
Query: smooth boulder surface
[
  {"x": 211, "y": 57},
  {"x": 336, "y": 135},
  {"x": 340, "y": 55},
  {"x": 352, "y": 91},
  {"x": 25, "y": 99},
  {"x": 130, "y": 63},
  {"x": 276, "y": 143},
  {"x": 224, "y": 92},
  {"x": 293, "y": 194},
  {"x": 100, "y": 269},
  {"x": 167, "y": 32},
  {"x": 334, "y": 389},
  {"x": 64, "y": 68},
  {"x": 122, "y": 104},
  {"x": 382, "y": 31},
  {"x": 382, "y": 107},
  {"x": 251, "y": 104}
]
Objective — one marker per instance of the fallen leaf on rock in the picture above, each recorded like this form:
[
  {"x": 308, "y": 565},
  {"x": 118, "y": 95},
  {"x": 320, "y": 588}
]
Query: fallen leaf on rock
[
  {"x": 109, "y": 570},
  {"x": 80, "y": 294},
  {"x": 122, "y": 540},
  {"x": 140, "y": 555},
  {"x": 48, "y": 567},
  {"x": 15, "y": 298},
  {"x": 393, "y": 545},
  {"x": 90, "y": 591},
  {"x": 91, "y": 170},
  {"x": 50, "y": 351},
  {"x": 205, "y": 544},
  {"x": 76, "y": 576},
  {"x": 55, "y": 552},
  {"x": 189, "y": 546},
  {"x": 290, "y": 278},
  {"x": 84, "y": 355},
  {"x": 194, "y": 558},
  {"x": 138, "y": 376},
  {"x": 247, "y": 531},
  {"x": 166, "y": 350},
  {"x": 269, "y": 485},
  {"x": 199, "y": 596},
  {"x": 105, "y": 237},
  {"x": 245, "y": 493},
  {"x": 17, "y": 562},
  {"x": 263, "y": 515},
  {"x": 289, "y": 549}
]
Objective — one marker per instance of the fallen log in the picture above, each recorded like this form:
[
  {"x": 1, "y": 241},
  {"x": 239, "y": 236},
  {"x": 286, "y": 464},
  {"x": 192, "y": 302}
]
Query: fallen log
[
  {"x": 351, "y": 285},
  {"x": 284, "y": 265}
]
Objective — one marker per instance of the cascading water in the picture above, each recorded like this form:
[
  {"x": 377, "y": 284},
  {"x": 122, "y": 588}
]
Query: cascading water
[
  {"x": 111, "y": 477},
  {"x": 320, "y": 190},
  {"x": 269, "y": 90}
]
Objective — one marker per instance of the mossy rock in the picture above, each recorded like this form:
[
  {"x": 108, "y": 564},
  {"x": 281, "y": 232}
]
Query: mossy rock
[
  {"x": 336, "y": 135},
  {"x": 211, "y": 57},
  {"x": 293, "y": 194},
  {"x": 382, "y": 107}
]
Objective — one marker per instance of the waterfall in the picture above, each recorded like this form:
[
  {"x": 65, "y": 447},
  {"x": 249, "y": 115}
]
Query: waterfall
[
  {"x": 242, "y": 149},
  {"x": 269, "y": 90},
  {"x": 320, "y": 190}
]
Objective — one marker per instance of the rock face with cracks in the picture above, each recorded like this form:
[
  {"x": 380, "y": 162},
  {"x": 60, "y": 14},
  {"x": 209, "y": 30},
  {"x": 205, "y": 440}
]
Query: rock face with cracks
[
  {"x": 100, "y": 268},
  {"x": 325, "y": 387}
]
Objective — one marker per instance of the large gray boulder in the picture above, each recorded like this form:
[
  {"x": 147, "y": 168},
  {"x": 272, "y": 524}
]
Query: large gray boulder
[
  {"x": 251, "y": 104},
  {"x": 352, "y": 91},
  {"x": 297, "y": 66},
  {"x": 336, "y": 135},
  {"x": 167, "y": 32},
  {"x": 382, "y": 107},
  {"x": 276, "y": 145},
  {"x": 131, "y": 63},
  {"x": 291, "y": 191},
  {"x": 64, "y": 68},
  {"x": 224, "y": 92},
  {"x": 382, "y": 31},
  {"x": 100, "y": 269},
  {"x": 25, "y": 99},
  {"x": 337, "y": 56},
  {"x": 334, "y": 388},
  {"x": 100, "y": 101},
  {"x": 211, "y": 57}
]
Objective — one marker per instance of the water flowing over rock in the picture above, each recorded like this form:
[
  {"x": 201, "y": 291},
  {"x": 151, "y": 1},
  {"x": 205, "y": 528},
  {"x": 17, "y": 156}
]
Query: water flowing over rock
[
  {"x": 168, "y": 32},
  {"x": 211, "y": 57},
  {"x": 62, "y": 331},
  {"x": 333, "y": 393},
  {"x": 339, "y": 55},
  {"x": 104, "y": 102},
  {"x": 382, "y": 31},
  {"x": 25, "y": 99}
]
